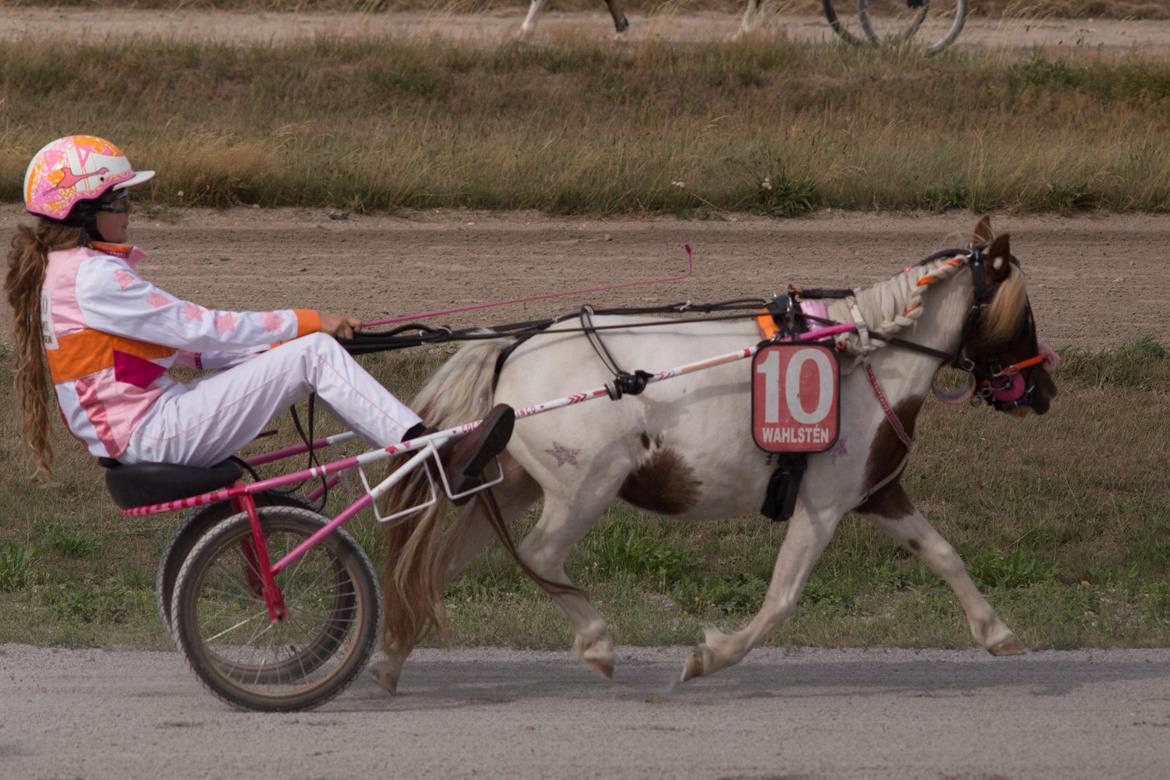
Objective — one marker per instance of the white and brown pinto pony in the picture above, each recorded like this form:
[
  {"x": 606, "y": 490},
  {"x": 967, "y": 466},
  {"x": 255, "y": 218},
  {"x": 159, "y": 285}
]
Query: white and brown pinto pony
[{"x": 683, "y": 448}]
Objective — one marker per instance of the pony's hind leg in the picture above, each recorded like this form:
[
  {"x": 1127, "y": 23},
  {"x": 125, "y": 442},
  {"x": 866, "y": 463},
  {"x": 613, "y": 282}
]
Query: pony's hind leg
[
  {"x": 563, "y": 523},
  {"x": 461, "y": 542},
  {"x": 891, "y": 510},
  {"x": 620, "y": 22},
  {"x": 808, "y": 535}
]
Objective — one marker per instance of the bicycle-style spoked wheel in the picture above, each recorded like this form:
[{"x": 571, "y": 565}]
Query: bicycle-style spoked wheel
[
  {"x": 222, "y": 625},
  {"x": 934, "y": 24},
  {"x": 187, "y": 535},
  {"x": 836, "y": 21}
]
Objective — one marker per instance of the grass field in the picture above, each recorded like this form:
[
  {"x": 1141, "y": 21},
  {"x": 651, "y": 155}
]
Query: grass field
[
  {"x": 1074, "y": 9},
  {"x": 767, "y": 126},
  {"x": 1065, "y": 524}
]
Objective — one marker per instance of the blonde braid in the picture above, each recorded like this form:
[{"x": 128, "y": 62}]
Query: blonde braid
[{"x": 27, "y": 261}]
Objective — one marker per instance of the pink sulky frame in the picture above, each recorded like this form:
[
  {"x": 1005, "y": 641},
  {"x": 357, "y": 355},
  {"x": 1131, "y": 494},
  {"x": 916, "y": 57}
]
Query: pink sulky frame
[{"x": 241, "y": 494}]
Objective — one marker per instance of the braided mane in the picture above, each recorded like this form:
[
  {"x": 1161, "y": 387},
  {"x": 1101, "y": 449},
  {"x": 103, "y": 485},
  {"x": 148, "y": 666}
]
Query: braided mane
[{"x": 896, "y": 303}]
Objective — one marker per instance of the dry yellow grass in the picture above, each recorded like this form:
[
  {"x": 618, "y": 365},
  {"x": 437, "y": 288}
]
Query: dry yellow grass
[
  {"x": 1073, "y": 9},
  {"x": 586, "y": 127}
]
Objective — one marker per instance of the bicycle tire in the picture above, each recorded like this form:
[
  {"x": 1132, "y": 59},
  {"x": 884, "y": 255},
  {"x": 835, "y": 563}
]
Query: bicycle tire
[
  {"x": 190, "y": 529},
  {"x": 210, "y": 593},
  {"x": 894, "y": 22},
  {"x": 837, "y": 25}
]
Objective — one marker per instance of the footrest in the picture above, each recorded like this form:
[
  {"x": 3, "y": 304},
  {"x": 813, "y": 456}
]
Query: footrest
[{"x": 143, "y": 484}]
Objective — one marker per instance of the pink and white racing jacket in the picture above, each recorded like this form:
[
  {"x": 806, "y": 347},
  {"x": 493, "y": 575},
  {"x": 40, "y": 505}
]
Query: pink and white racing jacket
[{"x": 110, "y": 336}]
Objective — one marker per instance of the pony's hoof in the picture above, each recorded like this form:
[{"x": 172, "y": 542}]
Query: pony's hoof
[
  {"x": 385, "y": 675},
  {"x": 693, "y": 667},
  {"x": 604, "y": 668},
  {"x": 1009, "y": 646}
]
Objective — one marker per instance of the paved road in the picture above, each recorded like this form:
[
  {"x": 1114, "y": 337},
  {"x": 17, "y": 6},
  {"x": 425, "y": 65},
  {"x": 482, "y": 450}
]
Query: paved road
[{"x": 500, "y": 713}]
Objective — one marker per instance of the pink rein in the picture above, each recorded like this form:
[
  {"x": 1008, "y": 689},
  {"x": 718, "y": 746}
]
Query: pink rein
[{"x": 542, "y": 297}]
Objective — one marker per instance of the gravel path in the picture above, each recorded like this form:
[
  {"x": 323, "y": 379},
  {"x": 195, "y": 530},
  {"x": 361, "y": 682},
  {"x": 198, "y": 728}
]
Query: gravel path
[
  {"x": 1094, "y": 281},
  {"x": 501, "y": 713}
]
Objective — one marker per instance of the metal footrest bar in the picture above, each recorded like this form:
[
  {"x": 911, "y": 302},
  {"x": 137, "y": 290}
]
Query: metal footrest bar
[{"x": 398, "y": 475}]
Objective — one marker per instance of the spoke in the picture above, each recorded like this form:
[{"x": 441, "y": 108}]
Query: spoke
[{"x": 243, "y": 622}]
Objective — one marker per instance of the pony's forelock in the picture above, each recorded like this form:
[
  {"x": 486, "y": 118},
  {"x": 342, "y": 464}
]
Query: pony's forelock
[{"x": 1002, "y": 319}]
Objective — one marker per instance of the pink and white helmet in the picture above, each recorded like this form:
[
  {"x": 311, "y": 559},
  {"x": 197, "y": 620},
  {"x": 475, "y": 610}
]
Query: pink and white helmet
[{"x": 74, "y": 169}]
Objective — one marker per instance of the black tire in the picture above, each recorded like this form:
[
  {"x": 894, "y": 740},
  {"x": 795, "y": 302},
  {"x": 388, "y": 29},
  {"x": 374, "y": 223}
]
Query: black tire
[
  {"x": 300, "y": 662},
  {"x": 837, "y": 25},
  {"x": 894, "y": 22},
  {"x": 193, "y": 526}
]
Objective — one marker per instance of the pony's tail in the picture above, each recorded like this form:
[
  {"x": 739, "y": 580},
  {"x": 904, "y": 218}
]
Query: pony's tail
[
  {"x": 460, "y": 391},
  {"x": 27, "y": 260}
]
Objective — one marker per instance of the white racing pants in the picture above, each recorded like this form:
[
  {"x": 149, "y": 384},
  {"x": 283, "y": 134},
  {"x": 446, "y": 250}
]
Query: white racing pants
[{"x": 203, "y": 422}]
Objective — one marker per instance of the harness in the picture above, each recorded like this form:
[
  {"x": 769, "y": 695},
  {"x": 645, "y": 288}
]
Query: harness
[{"x": 784, "y": 317}]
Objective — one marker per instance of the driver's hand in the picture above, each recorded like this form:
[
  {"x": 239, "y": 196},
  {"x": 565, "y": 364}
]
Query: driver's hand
[{"x": 340, "y": 326}]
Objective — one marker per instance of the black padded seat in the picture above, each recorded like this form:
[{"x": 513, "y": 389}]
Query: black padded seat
[{"x": 142, "y": 484}]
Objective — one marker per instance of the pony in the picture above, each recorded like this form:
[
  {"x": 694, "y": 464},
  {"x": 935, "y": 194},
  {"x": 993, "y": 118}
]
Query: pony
[
  {"x": 620, "y": 22},
  {"x": 682, "y": 448}
]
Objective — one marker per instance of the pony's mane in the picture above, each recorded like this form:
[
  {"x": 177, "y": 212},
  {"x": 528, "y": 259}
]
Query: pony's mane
[{"x": 896, "y": 303}]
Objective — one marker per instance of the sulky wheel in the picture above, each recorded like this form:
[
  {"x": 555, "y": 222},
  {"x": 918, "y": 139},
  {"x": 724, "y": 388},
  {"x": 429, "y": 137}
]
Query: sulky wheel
[
  {"x": 932, "y": 23},
  {"x": 835, "y": 20},
  {"x": 193, "y": 526},
  {"x": 221, "y": 622}
]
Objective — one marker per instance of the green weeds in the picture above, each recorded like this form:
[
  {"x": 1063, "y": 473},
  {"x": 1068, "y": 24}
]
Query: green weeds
[{"x": 16, "y": 566}]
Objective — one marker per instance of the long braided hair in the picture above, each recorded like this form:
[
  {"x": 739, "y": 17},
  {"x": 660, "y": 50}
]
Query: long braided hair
[{"x": 27, "y": 261}]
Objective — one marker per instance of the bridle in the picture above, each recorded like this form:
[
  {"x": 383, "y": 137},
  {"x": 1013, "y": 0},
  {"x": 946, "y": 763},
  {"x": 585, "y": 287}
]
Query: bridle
[{"x": 990, "y": 381}]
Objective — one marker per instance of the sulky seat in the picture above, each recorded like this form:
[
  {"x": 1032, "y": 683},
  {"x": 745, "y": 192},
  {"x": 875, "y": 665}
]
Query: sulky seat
[{"x": 142, "y": 484}]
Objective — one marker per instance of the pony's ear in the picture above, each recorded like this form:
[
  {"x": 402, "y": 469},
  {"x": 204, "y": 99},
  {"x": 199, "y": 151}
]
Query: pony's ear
[
  {"x": 999, "y": 256},
  {"x": 983, "y": 234}
]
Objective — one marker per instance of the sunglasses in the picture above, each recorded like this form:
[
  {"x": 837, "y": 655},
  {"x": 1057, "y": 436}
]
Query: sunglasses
[{"x": 119, "y": 204}]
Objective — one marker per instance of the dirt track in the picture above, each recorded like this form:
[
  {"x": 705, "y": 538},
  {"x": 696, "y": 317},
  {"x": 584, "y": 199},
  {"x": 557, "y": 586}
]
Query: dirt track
[
  {"x": 1094, "y": 281},
  {"x": 235, "y": 27},
  {"x": 499, "y": 713}
]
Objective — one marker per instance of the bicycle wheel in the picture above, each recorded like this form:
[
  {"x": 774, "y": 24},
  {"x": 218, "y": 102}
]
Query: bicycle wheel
[
  {"x": 221, "y": 621},
  {"x": 935, "y": 23},
  {"x": 192, "y": 527},
  {"x": 838, "y": 26}
]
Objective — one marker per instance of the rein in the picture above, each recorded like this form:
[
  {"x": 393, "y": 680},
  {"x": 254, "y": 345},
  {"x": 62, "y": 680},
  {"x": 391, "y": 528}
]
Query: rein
[{"x": 988, "y": 378}]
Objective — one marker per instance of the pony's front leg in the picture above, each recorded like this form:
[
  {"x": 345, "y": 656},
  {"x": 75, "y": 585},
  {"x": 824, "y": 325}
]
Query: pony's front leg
[
  {"x": 748, "y": 20},
  {"x": 562, "y": 524},
  {"x": 808, "y": 535},
  {"x": 891, "y": 510},
  {"x": 529, "y": 23}
]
